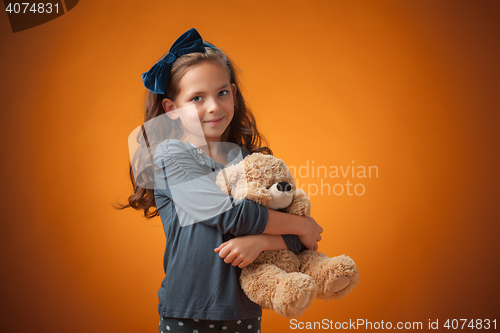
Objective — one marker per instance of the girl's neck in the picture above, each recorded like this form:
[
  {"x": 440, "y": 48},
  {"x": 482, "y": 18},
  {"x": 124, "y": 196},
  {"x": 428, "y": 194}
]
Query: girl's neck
[
  {"x": 211, "y": 147},
  {"x": 217, "y": 153}
]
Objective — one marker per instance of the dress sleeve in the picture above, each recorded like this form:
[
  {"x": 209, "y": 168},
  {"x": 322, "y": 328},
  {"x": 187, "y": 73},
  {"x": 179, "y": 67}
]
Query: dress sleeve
[
  {"x": 179, "y": 176},
  {"x": 294, "y": 244}
]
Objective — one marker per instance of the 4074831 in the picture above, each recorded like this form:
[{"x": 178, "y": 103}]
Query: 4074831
[
  {"x": 35, "y": 8},
  {"x": 478, "y": 324}
]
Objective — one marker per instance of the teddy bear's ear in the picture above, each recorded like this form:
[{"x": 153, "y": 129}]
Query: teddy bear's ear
[
  {"x": 238, "y": 186},
  {"x": 229, "y": 177},
  {"x": 258, "y": 193},
  {"x": 300, "y": 204},
  {"x": 233, "y": 181}
]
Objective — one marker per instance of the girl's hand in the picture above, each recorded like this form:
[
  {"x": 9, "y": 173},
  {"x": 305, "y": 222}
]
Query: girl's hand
[
  {"x": 241, "y": 251},
  {"x": 311, "y": 234}
]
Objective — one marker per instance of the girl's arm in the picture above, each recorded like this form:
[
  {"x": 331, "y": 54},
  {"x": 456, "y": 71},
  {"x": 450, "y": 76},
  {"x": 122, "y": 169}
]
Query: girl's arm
[
  {"x": 242, "y": 251},
  {"x": 305, "y": 227},
  {"x": 180, "y": 177}
]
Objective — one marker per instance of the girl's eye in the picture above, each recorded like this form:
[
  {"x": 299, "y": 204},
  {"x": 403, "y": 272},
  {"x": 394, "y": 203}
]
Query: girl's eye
[
  {"x": 196, "y": 99},
  {"x": 223, "y": 93}
]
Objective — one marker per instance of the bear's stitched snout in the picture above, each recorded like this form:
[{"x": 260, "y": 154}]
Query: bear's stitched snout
[{"x": 281, "y": 194}]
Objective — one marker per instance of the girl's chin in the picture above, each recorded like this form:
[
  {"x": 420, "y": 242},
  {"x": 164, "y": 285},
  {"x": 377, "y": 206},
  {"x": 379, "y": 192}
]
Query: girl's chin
[
  {"x": 213, "y": 138},
  {"x": 212, "y": 133},
  {"x": 207, "y": 136}
]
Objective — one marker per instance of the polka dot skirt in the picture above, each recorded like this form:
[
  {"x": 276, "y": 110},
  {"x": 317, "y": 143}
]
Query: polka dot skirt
[{"x": 177, "y": 325}]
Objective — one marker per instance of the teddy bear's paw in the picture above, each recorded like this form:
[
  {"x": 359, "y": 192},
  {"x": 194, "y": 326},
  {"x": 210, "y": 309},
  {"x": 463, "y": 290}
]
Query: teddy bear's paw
[
  {"x": 340, "y": 283},
  {"x": 302, "y": 303},
  {"x": 338, "y": 278},
  {"x": 294, "y": 293}
]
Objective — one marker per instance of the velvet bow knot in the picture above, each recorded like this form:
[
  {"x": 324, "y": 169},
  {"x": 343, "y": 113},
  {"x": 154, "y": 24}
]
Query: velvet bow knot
[{"x": 155, "y": 80}]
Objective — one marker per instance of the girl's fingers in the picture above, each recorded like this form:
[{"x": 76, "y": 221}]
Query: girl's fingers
[
  {"x": 223, "y": 252},
  {"x": 229, "y": 258},
  {"x": 220, "y": 247},
  {"x": 243, "y": 264},
  {"x": 237, "y": 261},
  {"x": 231, "y": 255}
]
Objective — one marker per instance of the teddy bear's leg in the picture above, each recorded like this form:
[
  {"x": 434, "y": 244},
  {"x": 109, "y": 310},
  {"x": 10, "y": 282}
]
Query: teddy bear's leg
[
  {"x": 289, "y": 294},
  {"x": 294, "y": 294},
  {"x": 335, "y": 277}
]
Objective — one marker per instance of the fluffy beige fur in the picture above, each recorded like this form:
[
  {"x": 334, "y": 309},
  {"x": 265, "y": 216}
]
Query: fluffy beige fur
[{"x": 281, "y": 280}]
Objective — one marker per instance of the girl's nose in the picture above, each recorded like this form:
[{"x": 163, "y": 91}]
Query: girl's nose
[{"x": 212, "y": 105}]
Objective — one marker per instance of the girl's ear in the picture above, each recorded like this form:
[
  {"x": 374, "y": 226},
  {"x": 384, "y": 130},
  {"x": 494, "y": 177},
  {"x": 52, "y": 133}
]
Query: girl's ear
[
  {"x": 233, "y": 87},
  {"x": 169, "y": 107}
]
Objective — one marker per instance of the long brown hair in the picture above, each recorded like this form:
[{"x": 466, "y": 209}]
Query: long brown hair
[{"x": 242, "y": 130}]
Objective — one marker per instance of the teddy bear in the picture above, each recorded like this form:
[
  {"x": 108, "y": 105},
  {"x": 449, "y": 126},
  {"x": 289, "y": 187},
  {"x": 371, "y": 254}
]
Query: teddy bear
[{"x": 281, "y": 280}]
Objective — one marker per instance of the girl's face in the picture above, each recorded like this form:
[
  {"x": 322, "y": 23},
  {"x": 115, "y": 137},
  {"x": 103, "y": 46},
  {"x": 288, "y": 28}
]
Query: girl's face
[{"x": 207, "y": 86}]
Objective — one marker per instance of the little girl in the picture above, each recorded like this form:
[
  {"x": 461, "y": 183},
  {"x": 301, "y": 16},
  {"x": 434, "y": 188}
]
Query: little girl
[{"x": 195, "y": 117}]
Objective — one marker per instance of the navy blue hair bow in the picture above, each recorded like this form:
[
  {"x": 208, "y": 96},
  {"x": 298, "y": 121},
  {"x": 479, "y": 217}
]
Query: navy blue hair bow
[{"x": 157, "y": 77}]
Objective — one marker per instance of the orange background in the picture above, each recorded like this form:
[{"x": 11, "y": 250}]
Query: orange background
[{"x": 411, "y": 87}]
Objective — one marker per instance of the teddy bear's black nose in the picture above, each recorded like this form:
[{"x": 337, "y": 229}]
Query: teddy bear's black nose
[{"x": 284, "y": 187}]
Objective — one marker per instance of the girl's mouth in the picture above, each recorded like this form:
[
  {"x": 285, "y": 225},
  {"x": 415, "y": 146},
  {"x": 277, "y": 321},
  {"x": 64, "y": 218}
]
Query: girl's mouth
[{"x": 215, "y": 121}]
